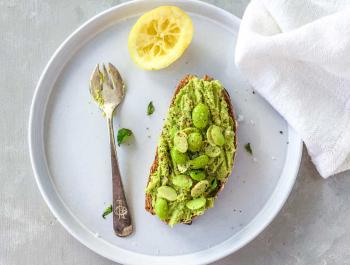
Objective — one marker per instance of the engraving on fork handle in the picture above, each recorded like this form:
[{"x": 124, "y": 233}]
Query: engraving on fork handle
[{"x": 120, "y": 210}]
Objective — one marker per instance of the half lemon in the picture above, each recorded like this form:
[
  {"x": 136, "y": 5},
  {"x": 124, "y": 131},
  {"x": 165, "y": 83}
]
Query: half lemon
[{"x": 160, "y": 37}]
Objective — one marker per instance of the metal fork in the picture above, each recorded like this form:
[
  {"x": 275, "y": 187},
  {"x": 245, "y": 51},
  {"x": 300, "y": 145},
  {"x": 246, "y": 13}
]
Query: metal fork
[{"x": 107, "y": 89}]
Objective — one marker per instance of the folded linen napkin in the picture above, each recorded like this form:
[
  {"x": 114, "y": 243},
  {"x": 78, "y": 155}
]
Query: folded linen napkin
[{"x": 296, "y": 54}]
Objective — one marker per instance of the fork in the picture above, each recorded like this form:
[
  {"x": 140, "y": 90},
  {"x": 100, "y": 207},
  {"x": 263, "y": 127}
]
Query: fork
[{"x": 107, "y": 89}]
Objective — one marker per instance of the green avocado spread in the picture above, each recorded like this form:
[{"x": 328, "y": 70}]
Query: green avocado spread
[{"x": 195, "y": 153}]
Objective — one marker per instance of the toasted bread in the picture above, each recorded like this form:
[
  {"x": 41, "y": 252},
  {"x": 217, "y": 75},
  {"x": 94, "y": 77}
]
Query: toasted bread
[{"x": 181, "y": 84}]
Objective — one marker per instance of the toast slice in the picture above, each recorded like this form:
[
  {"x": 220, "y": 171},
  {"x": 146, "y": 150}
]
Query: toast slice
[{"x": 148, "y": 198}]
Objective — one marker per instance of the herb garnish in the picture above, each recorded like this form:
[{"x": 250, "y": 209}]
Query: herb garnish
[
  {"x": 213, "y": 184},
  {"x": 107, "y": 211},
  {"x": 150, "y": 108},
  {"x": 248, "y": 148},
  {"x": 123, "y": 134}
]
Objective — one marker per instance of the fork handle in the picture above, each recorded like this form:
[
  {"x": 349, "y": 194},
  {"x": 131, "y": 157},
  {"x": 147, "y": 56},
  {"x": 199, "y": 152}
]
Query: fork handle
[{"x": 121, "y": 215}]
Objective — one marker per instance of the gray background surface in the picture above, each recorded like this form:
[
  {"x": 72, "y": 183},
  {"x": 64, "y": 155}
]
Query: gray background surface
[{"x": 312, "y": 228}]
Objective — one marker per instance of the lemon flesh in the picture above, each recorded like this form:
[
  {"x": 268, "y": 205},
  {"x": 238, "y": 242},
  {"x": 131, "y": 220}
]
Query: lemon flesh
[{"x": 160, "y": 37}]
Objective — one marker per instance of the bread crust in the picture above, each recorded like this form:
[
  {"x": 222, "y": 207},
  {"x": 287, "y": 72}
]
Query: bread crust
[{"x": 181, "y": 84}]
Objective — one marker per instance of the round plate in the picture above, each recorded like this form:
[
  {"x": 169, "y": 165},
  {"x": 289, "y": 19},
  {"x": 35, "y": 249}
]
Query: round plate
[{"x": 69, "y": 147}]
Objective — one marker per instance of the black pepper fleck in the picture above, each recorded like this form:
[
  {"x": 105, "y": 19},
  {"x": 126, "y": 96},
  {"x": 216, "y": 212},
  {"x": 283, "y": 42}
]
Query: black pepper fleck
[{"x": 281, "y": 132}]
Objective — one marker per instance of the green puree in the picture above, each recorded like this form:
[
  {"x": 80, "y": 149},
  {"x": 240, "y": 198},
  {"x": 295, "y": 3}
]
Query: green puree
[{"x": 195, "y": 153}]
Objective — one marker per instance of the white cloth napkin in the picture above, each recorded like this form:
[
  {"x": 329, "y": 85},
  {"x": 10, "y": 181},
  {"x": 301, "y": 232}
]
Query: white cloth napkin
[{"x": 296, "y": 54}]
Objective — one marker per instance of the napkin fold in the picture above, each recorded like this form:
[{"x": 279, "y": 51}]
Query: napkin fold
[{"x": 296, "y": 54}]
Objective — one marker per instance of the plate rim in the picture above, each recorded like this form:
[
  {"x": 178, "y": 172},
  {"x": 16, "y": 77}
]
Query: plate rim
[{"x": 269, "y": 211}]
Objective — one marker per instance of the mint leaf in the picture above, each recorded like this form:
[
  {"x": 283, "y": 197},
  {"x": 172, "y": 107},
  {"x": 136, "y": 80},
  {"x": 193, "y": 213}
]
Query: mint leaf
[
  {"x": 123, "y": 134},
  {"x": 107, "y": 211},
  {"x": 150, "y": 108}
]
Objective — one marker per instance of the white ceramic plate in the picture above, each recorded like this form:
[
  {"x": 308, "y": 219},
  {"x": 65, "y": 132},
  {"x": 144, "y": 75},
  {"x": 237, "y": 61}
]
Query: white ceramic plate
[{"x": 70, "y": 154}]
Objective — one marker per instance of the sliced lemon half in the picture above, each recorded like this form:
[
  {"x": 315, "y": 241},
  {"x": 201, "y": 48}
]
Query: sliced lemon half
[{"x": 160, "y": 37}]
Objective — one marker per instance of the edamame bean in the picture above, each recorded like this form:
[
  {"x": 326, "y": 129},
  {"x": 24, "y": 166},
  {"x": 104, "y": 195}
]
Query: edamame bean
[
  {"x": 199, "y": 188},
  {"x": 196, "y": 204},
  {"x": 212, "y": 151},
  {"x": 198, "y": 175},
  {"x": 161, "y": 208},
  {"x": 199, "y": 162},
  {"x": 183, "y": 167},
  {"x": 209, "y": 137},
  {"x": 200, "y": 116},
  {"x": 195, "y": 141},
  {"x": 178, "y": 157},
  {"x": 167, "y": 193},
  {"x": 182, "y": 181},
  {"x": 180, "y": 142},
  {"x": 217, "y": 135},
  {"x": 190, "y": 130}
]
